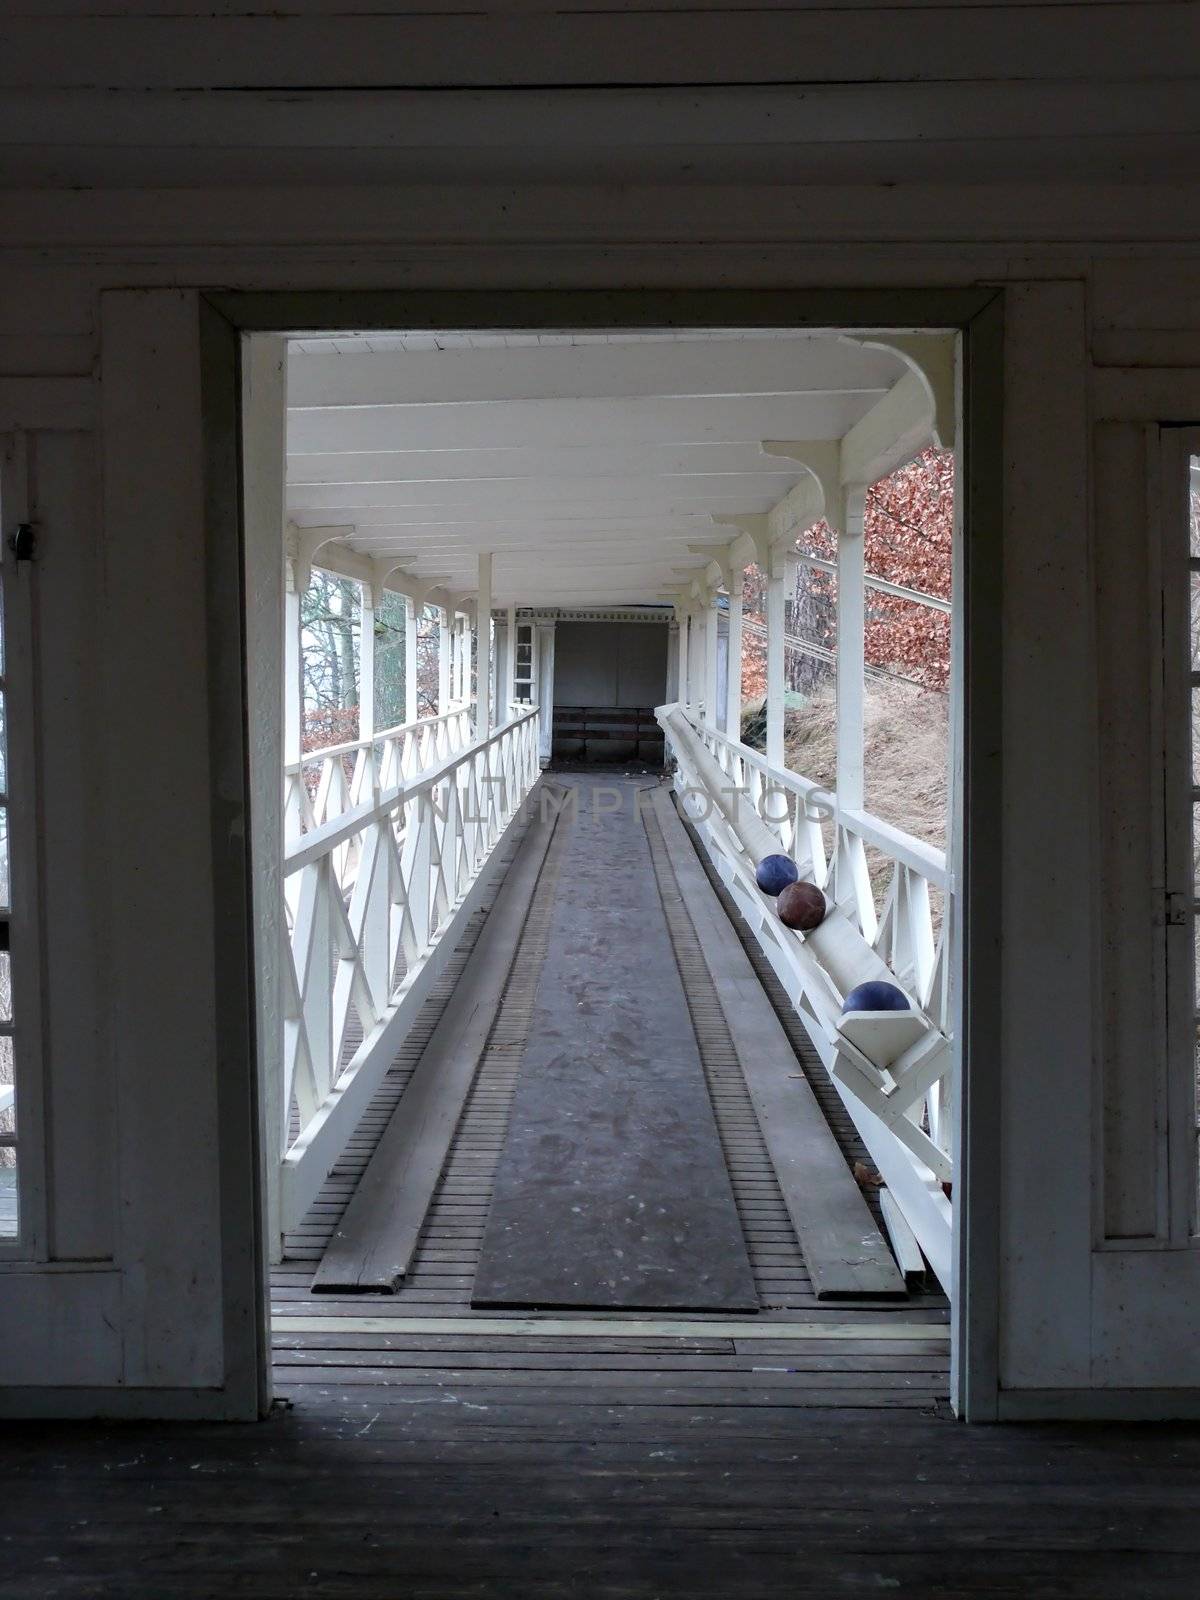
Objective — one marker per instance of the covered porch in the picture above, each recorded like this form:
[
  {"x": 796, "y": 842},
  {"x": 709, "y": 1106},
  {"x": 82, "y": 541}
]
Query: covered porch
[{"x": 558, "y": 540}]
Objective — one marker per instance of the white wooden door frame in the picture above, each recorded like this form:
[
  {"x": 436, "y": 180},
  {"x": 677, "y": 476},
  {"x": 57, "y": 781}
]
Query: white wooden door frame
[
  {"x": 19, "y": 602},
  {"x": 172, "y": 438},
  {"x": 1174, "y": 447},
  {"x": 978, "y": 312}
]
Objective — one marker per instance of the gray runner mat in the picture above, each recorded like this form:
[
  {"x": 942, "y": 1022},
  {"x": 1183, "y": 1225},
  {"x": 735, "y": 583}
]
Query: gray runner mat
[{"x": 612, "y": 1190}]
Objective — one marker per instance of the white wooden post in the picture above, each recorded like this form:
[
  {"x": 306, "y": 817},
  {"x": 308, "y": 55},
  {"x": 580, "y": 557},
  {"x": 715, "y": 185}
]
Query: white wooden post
[
  {"x": 545, "y": 685},
  {"x": 274, "y": 729},
  {"x": 291, "y": 672},
  {"x": 510, "y": 664},
  {"x": 850, "y": 621},
  {"x": 443, "y": 693},
  {"x": 733, "y": 687},
  {"x": 696, "y": 659},
  {"x": 777, "y": 575},
  {"x": 685, "y": 686},
  {"x": 496, "y": 678},
  {"x": 366, "y": 662},
  {"x": 710, "y": 662},
  {"x": 483, "y": 648},
  {"x": 371, "y": 900},
  {"x": 410, "y": 660},
  {"x": 464, "y": 658}
]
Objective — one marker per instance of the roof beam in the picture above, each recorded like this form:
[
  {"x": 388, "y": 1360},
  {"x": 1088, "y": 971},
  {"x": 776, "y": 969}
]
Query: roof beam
[
  {"x": 326, "y": 549},
  {"x": 621, "y": 370},
  {"x": 891, "y": 433}
]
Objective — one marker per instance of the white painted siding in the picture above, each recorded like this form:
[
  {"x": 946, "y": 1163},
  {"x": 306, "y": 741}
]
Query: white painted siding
[{"x": 909, "y": 159}]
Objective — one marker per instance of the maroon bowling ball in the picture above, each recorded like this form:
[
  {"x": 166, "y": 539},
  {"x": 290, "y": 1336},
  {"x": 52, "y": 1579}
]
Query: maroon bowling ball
[{"x": 801, "y": 906}]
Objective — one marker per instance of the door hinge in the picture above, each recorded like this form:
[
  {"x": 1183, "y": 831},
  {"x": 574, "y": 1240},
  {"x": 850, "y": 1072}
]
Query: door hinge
[
  {"x": 22, "y": 541},
  {"x": 1179, "y": 909}
]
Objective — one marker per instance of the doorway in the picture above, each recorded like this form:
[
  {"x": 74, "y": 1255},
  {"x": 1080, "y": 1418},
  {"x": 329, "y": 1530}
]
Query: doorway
[
  {"x": 608, "y": 678},
  {"x": 274, "y": 319}
]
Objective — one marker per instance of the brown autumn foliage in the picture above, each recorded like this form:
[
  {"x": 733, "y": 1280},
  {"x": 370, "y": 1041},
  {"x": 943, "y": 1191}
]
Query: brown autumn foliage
[
  {"x": 908, "y": 531},
  {"x": 326, "y": 725}
]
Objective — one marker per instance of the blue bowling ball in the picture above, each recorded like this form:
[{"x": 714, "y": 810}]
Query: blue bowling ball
[
  {"x": 876, "y": 996},
  {"x": 774, "y": 873}
]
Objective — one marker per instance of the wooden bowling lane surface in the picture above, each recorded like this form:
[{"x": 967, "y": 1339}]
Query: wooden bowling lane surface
[{"x": 612, "y": 1190}]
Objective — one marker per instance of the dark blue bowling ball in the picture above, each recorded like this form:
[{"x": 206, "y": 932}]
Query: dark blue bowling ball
[
  {"x": 876, "y": 996},
  {"x": 774, "y": 873}
]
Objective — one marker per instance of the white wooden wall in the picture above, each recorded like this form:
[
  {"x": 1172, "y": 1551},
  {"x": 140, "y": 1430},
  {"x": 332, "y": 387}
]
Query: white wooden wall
[{"x": 1102, "y": 337}]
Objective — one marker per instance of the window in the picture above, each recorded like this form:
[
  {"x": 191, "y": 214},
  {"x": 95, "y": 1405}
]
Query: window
[
  {"x": 1193, "y": 470},
  {"x": 9, "y": 1207},
  {"x": 20, "y": 1220},
  {"x": 1181, "y": 811},
  {"x": 524, "y": 677}
]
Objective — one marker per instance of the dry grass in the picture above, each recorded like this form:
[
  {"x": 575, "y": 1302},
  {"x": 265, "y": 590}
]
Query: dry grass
[
  {"x": 904, "y": 745},
  {"x": 905, "y": 734},
  {"x": 905, "y": 731}
]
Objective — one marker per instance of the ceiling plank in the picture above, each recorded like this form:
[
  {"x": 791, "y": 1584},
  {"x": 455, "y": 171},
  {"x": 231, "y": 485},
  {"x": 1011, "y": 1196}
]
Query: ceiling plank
[
  {"x": 692, "y": 419},
  {"x": 519, "y": 461}
]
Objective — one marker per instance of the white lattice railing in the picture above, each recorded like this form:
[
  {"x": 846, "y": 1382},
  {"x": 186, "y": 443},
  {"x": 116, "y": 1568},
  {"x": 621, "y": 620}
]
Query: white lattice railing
[
  {"x": 325, "y": 783},
  {"x": 908, "y": 931},
  {"x": 795, "y": 808},
  {"x": 375, "y": 887},
  {"x": 891, "y": 1069}
]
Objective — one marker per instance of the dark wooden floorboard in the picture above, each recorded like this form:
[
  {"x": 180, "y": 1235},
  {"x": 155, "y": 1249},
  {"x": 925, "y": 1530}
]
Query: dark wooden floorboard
[
  {"x": 470, "y": 1493},
  {"x": 453, "y": 1462}
]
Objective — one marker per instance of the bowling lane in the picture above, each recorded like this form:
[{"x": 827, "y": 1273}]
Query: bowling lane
[{"x": 612, "y": 1190}]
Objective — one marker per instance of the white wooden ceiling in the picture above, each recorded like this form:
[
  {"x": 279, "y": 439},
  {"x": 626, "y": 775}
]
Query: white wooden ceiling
[{"x": 587, "y": 463}]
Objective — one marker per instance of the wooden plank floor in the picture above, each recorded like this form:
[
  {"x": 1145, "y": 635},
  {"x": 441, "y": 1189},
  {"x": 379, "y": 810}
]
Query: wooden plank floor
[
  {"x": 444, "y": 1264},
  {"x": 421, "y": 1453},
  {"x": 388, "y": 1369},
  {"x": 645, "y": 1482}
]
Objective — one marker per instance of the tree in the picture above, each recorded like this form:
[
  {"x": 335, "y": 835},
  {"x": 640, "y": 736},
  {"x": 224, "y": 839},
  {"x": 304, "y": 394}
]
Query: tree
[
  {"x": 330, "y": 625},
  {"x": 908, "y": 536},
  {"x": 391, "y": 622},
  {"x": 908, "y": 532}
]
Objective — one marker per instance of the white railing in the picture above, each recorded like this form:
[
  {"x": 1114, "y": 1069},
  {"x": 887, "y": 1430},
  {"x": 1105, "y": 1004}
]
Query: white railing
[
  {"x": 794, "y": 808},
  {"x": 326, "y": 783},
  {"x": 376, "y": 888},
  {"x": 893, "y": 1075}
]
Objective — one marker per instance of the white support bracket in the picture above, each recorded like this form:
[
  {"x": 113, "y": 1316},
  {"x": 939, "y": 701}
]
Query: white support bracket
[
  {"x": 304, "y": 544},
  {"x": 754, "y": 526},
  {"x": 819, "y": 495},
  {"x": 385, "y": 570},
  {"x": 850, "y": 1075},
  {"x": 725, "y": 558},
  {"x": 931, "y": 357}
]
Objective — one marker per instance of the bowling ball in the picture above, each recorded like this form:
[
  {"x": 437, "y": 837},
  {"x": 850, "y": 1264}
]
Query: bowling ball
[
  {"x": 876, "y": 996},
  {"x": 774, "y": 873},
  {"x": 801, "y": 905}
]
